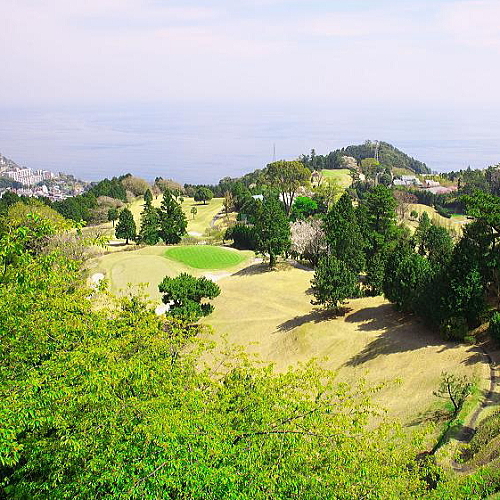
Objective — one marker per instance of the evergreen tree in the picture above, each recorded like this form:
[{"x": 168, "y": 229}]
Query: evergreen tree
[
  {"x": 150, "y": 222},
  {"x": 333, "y": 282},
  {"x": 184, "y": 294},
  {"x": 344, "y": 237},
  {"x": 172, "y": 220},
  {"x": 148, "y": 196},
  {"x": 272, "y": 229},
  {"x": 113, "y": 214},
  {"x": 126, "y": 229}
]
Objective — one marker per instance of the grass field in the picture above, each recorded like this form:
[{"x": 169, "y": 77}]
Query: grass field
[
  {"x": 455, "y": 224},
  {"x": 201, "y": 221},
  {"x": 205, "y": 256},
  {"x": 342, "y": 176},
  {"x": 270, "y": 314},
  {"x": 149, "y": 265}
]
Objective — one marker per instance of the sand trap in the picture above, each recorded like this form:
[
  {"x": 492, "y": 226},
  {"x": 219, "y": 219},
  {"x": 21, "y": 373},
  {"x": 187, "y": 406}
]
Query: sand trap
[{"x": 216, "y": 277}]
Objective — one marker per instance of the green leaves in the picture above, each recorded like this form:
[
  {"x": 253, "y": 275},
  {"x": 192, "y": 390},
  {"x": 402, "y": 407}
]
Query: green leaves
[{"x": 184, "y": 294}]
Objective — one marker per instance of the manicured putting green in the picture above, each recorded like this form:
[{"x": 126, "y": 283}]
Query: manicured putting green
[{"x": 205, "y": 256}]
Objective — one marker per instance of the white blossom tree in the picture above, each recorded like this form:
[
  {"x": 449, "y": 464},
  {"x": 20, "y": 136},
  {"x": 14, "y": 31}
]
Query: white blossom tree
[{"x": 308, "y": 240}]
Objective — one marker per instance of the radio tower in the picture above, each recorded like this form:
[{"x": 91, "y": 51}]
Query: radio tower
[
  {"x": 376, "y": 150},
  {"x": 274, "y": 152}
]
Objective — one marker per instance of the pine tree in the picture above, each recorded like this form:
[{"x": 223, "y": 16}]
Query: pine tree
[
  {"x": 272, "y": 230},
  {"x": 344, "y": 237},
  {"x": 125, "y": 229},
  {"x": 172, "y": 220},
  {"x": 148, "y": 197},
  {"x": 150, "y": 222}
]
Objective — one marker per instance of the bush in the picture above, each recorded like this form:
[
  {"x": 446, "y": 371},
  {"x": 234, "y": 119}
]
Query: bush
[
  {"x": 455, "y": 328},
  {"x": 243, "y": 236},
  {"x": 494, "y": 329}
]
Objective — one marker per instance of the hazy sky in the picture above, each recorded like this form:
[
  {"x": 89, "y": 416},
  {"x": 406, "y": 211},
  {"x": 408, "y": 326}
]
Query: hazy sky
[{"x": 400, "y": 52}]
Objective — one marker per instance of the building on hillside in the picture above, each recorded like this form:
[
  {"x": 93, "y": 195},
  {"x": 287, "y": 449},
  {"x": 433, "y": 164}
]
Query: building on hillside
[{"x": 407, "y": 180}]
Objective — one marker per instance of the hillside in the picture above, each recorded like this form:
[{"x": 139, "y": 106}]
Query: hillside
[
  {"x": 389, "y": 157},
  {"x": 7, "y": 164}
]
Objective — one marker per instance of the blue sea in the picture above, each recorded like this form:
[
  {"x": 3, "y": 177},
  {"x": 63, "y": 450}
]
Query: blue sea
[{"x": 201, "y": 143}]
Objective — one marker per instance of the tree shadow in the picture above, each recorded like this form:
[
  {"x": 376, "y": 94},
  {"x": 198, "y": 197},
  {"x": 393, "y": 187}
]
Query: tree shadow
[
  {"x": 399, "y": 333},
  {"x": 431, "y": 416},
  {"x": 254, "y": 269},
  {"x": 316, "y": 316},
  {"x": 380, "y": 317}
]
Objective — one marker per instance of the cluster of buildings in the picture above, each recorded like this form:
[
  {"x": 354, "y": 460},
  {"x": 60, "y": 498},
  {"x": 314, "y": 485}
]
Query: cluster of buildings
[
  {"x": 38, "y": 183},
  {"x": 28, "y": 177},
  {"x": 429, "y": 185}
]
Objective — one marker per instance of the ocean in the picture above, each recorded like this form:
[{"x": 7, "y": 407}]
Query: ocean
[{"x": 200, "y": 143}]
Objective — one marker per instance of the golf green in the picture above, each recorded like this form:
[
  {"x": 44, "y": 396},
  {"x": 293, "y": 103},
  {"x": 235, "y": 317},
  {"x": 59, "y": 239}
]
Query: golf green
[{"x": 205, "y": 256}]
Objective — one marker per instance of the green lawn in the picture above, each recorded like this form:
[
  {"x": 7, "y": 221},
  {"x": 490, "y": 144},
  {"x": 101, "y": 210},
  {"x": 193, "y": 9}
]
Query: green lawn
[
  {"x": 205, "y": 256},
  {"x": 342, "y": 176}
]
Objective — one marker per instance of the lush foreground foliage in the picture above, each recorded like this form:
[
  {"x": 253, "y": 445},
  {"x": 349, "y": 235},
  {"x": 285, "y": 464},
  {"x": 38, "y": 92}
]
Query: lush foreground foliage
[{"x": 117, "y": 403}]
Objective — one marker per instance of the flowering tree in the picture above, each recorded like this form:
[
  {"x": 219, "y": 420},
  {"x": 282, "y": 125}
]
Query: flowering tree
[{"x": 308, "y": 240}]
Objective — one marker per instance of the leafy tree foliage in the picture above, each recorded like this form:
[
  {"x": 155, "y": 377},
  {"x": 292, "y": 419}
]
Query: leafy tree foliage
[
  {"x": 243, "y": 236},
  {"x": 126, "y": 229},
  {"x": 455, "y": 388},
  {"x": 112, "y": 188},
  {"x": 113, "y": 214},
  {"x": 136, "y": 185},
  {"x": 150, "y": 222},
  {"x": 333, "y": 282},
  {"x": 148, "y": 196},
  {"x": 344, "y": 237},
  {"x": 173, "y": 222},
  {"x": 272, "y": 230},
  {"x": 184, "y": 294},
  {"x": 303, "y": 207},
  {"x": 287, "y": 177},
  {"x": 203, "y": 194},
  {"x": 406, "y": 275}
]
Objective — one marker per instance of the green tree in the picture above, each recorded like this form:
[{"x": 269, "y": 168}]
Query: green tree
[
  {"x": 333, "y": 282},
  {"x": 381, "y": 217},
  {"x": 303, "y": 207},
  {"x": 194, "y": 211},
  {"x": 456, "y": 389},
  {"x": 184, "y": 295},
  {"x": 126, "y": 229},
  {"x": 287, "y": 177},
  {"x": 344, "y": 237},
  {"x": 113, "y": 214},
  {"x": 406, "y": 276},
  {"x": 173, "y": 222},
  {"x": 148, "y": 196},
  {"x": 272, "y": 230},
  {"x": 150, "y": 222},
  {"x": 203, "y": 194}
]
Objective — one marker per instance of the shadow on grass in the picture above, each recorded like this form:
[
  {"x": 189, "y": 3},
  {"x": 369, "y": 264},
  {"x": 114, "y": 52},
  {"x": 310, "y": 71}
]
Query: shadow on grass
[
  {"x": 315, "y": 316},
  {"x": 431, "y": 416},
  {"x": 398, "y": 333},
  {"x": 254, "y": 269}
]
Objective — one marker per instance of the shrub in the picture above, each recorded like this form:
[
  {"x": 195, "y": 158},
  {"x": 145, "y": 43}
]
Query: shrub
[
  {"x": 494, "y": 329},
  {"x": 455, "y": 328},
  {"x": 243, "y": 236}
]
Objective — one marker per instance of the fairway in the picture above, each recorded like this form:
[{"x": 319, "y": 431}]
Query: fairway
[
  {"x": 205, "y": 256},
  {"x": 341, "y": 176}
]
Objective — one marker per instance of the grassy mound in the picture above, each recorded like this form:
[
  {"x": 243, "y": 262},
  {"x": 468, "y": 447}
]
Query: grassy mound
[{"x": 205, "y": 256}]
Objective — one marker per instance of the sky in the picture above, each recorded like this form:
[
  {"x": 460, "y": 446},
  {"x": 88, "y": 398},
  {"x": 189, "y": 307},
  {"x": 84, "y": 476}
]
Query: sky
[{"x": 414, "y": 55}]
